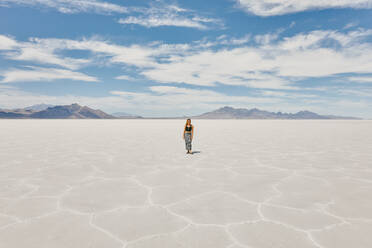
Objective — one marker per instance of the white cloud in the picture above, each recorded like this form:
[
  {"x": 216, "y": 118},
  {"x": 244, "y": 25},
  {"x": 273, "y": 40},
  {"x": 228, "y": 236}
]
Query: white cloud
[
  {"x": 7, "y": 43},
  {"x": 288, "y": 94},
  {"x": 351, "y": 25},
  {"x": 225, "y": 40},
  {"x": 266, "y": 38},
  {"x": 184, "y": 95},
  {"x": 73, "y": 6},
  {"x": 38, "y": 51},
  {"x": 159, "y": 13},
  {"x": 304, "y": 55},
  {"x": 163, "y": 14},
  {"x": 281, "y": 7},
  {"x": 313, "y": 39},
  {"x": 271, "y": 64},
  {"x": 157, "y": 21},
  {"x": 361, "y": 79},
  {"x": 50, "y": 52},
  {"x": 209, "y": 68},
  {"x": 45, "y": 56},
  {"x": 43, "y": 74},
  {"x": 356, "y": 92},
  {"x": 124, "y": 77}
]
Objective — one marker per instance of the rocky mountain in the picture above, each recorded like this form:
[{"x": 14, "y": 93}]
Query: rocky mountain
[
  {"x": 73, "y": 111},
  {"x": 15, "y": 113},
  {"x": 5, "y": 114},
  {"x": 241, "y": 113},
  {"x": 39, "y": 107}
]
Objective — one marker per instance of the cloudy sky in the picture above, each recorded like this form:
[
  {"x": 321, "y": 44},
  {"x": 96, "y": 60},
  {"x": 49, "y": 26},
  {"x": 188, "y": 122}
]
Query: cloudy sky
[{"x": 174, "y": 58}]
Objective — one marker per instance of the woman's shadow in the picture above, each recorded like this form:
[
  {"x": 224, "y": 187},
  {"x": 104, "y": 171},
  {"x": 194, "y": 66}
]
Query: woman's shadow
[{"x": 194, "y": 152}]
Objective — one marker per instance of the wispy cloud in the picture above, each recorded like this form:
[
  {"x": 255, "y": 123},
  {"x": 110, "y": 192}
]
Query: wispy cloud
[
  {"x": 43, "y": 74},
  {"x": 351, "y": 25},
  {"x": 273, "y": 65},
  {"x": 37, "y": 51},
  {"x": 281, "y": 7},
  {"x": 125, "y": 77},
  {"x": 163, "y": 14},
  {"x": 361, "y": 79},
  {"x": 7, "y": 43},
  {"x": 165, "y": 20},
  {"x": 225, "y": 40},
  {"x": 268, "y": 63},
  {"x": 73, "y": 6},
  {"x": 356, "y": 92},
  {"x": 158, "y": 13}
]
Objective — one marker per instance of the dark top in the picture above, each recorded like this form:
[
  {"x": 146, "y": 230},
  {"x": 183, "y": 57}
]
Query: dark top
[{"x": 188, "y": 128}]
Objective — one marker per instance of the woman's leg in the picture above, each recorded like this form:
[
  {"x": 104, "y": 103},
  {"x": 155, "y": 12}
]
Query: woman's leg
[{"x": 188, "y": 141}]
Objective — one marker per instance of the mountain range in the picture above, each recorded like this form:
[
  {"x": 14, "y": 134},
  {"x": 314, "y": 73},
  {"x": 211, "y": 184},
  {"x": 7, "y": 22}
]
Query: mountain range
[
  {"x": 75, "y": 111},
  {"x": 241, "y": 113}
]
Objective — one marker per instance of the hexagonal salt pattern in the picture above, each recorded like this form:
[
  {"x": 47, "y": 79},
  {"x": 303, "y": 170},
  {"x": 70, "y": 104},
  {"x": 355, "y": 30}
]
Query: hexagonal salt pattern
[{"x": 129, "y": 184}]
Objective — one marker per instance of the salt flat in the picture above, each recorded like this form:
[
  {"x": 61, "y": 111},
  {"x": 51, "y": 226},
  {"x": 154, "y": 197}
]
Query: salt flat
[{"x": 129, "y": 183}]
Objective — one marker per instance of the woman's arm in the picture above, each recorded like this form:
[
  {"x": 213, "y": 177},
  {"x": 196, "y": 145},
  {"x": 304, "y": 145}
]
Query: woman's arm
[
  {"x": 184, "y": 130},
  {"x": 192, "y": 132}
]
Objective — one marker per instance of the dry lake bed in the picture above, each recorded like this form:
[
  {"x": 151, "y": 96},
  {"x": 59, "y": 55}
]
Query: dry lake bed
[{"x": 129, "y": 184}]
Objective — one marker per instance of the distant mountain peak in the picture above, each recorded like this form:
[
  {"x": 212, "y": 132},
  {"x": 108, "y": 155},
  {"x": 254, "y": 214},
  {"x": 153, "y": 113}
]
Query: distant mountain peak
[
  {"x": 226, "y": 108},
  {"x": 72, "y": 111},
  {"x": 228, "y": 112},
  {"x": 305, "y": 112},
  {"x": 76, "y": 111},
  {"x": 39, "y": 107}
]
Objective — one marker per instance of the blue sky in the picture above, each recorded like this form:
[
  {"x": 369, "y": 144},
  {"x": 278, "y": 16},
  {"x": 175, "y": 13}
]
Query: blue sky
[{"x": 174, "y": 58}]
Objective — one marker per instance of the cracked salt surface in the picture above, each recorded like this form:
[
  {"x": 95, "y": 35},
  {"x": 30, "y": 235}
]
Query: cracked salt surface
[{"x": 129, "y": 184}]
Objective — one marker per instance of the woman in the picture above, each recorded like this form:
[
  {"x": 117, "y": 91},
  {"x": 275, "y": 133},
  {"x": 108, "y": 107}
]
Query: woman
[{"x": 188, "y": 134}]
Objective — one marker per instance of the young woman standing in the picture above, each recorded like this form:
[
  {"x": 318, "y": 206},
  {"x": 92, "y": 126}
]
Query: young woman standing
[{"x": 188, "y": 134}]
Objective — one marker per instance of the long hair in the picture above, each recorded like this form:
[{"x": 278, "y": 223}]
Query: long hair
[{"x": 187, "y": 121}]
